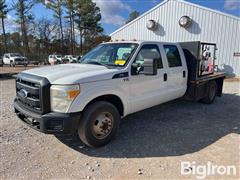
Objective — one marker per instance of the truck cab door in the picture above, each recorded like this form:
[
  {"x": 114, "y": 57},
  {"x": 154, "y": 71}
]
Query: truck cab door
[
  {"x": 147, "y": 91},
  {"x": 176, "y": 71}
]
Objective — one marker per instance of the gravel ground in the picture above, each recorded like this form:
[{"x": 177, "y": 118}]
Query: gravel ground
[
  {"x": 149, "y": 144},
  {"x": 6, "y": 70}
]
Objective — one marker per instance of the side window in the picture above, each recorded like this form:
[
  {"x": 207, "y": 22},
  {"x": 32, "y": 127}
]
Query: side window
[
  {"x": 173, "y": 56},
  {"x": 149, "y": 52}
]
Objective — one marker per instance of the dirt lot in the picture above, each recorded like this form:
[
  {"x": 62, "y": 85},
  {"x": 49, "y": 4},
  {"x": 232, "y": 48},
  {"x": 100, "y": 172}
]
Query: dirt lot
[
  {"x": 150, "y": 144},
  {"x": 6, "y": 70}
]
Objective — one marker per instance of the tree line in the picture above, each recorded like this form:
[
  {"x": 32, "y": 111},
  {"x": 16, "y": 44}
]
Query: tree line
[{"x": 38, "y": 37}]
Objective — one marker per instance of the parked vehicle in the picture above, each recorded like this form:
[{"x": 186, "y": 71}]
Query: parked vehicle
[
  {"x": 113, "y": 80},
  {"x": 71, "y": 58},
  {"x": 79, "y": 59},
  {"x": 55, "y": 59},
  {"x": 13, "y": 59},
  {"x": 1, "y": 61},
  {"x": 64, "y": 60},
  {"x": 34, "y": 62}
]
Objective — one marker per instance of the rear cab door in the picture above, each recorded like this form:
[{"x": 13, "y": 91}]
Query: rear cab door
[{"x": 176, "y": 70}]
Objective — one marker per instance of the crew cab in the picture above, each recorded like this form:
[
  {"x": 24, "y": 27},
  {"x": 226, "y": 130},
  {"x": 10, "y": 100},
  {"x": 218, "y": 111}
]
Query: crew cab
[
  {"x": 13, "y": 59},
  {"x": 112, "y": 81}
]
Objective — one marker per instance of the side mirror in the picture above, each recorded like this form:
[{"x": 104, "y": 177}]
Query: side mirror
[{"x": 150, "y": 67}]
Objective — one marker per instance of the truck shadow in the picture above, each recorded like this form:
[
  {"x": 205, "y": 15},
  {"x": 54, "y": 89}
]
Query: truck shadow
[{"x": 172, "y": 129}]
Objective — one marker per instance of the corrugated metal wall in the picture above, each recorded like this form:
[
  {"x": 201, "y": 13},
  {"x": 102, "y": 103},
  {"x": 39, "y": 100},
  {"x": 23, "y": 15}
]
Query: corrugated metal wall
[{"x": 208, "y": 26}]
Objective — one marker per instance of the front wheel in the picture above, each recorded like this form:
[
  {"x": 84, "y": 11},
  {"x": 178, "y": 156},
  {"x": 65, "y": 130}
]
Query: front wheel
[
  {"x": 99, "y": 124},
  {"x": 12, "y": 64}
]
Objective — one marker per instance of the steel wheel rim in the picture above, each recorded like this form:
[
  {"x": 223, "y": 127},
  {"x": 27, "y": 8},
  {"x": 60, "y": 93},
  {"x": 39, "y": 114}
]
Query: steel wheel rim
[{"x": 102, "y": 125}]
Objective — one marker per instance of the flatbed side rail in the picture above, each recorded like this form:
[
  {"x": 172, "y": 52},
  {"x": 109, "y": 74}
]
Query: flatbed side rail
[{"x": 198, "y": 89}]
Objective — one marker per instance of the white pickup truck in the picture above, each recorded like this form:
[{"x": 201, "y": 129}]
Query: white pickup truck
[
  {"x": 113, "y": 80},
  {"x": 13, "y": 59}
]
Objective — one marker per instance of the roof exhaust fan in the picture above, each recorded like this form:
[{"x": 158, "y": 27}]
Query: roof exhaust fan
[
  {"x": 185, "y": 21},
  {"x": 152, "y": 25}
]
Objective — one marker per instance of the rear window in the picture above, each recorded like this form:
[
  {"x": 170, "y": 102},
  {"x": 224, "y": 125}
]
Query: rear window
[{"x": 173, "y": 56}]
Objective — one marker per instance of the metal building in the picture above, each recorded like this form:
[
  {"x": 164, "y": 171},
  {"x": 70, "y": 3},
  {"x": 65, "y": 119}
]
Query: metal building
[{"x": 178, "y": 20}]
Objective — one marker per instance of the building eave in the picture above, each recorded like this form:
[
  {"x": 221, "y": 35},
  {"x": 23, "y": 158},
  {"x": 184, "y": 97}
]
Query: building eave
[{"x": 180, "y": 1}]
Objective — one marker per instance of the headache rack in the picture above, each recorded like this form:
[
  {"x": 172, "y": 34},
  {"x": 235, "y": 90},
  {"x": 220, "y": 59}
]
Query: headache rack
[{"x": 200, "y": 58}]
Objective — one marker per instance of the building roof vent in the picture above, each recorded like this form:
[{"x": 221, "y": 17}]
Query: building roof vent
[{"x": 185, "y": 21}]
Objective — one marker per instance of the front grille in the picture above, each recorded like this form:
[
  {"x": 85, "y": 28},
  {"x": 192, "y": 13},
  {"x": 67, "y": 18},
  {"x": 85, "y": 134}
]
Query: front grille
[
  {"x": 33, "y": 92},
  {"x": 32, "y": 98}
]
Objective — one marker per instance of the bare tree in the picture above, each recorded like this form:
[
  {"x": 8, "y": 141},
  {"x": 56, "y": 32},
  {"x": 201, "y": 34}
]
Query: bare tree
[{"x": 45, "y": 30}]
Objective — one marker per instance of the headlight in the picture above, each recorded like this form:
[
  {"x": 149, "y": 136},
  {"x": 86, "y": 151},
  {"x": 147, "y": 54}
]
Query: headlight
[{"x": 62, "y": 96}]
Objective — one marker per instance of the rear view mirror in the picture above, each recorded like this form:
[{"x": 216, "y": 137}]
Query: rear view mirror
[{"x": 150, "y": 67}]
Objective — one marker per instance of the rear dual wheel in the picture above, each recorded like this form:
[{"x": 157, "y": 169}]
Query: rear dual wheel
[
  {"x": 211, "y": 93},
  {"x": 99, "y": 124}
]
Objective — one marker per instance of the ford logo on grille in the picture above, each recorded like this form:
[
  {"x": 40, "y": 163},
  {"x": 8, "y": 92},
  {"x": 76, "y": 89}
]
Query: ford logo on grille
[{"x": 23, "y": 93}]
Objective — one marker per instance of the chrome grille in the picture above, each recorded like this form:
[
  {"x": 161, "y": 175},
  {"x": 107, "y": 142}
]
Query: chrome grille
[
  {"x": 33, "y": 93},
  {"x": 28, "y": 94}
]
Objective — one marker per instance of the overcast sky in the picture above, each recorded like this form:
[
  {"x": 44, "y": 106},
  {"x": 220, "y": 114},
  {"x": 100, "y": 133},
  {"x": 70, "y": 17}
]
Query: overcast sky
[{"x": 115, "y": 12}]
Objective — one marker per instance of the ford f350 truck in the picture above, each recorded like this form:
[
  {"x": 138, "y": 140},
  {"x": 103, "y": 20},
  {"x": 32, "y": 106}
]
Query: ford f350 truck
[{"x": 113, "y": 80}]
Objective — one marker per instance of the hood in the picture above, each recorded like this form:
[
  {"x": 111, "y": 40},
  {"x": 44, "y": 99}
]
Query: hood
[{"x": 73, "y": 73}]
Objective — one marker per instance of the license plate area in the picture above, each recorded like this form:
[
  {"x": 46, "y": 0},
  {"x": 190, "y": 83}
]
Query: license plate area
[{"x": 31, "y": 121}]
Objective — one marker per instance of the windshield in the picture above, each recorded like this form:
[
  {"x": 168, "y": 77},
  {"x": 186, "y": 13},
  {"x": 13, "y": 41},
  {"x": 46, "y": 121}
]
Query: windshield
[
  {"x": 115, "y": 54},
  {"x": 15, "y": 55}
]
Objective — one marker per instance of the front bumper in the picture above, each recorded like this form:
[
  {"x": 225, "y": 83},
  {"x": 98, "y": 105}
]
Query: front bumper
[{"x": 50, "y": 123}]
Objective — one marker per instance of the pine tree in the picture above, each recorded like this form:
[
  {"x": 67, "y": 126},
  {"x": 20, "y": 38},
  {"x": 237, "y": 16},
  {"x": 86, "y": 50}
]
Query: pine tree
[
  {"x": 3, "y": 15},
  {"x": 88, "y": 18},
  {"x": 69, "y": 5},
  {"x": 25, "y": 17},
  {"x": 133, "y": 15}
]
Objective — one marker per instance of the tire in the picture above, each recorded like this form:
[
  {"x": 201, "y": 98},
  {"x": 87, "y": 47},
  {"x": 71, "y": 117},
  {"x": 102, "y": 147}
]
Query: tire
[
  {"x": 211, "y": 93},
  {"x": 12, "y": 64},
  {"x": 96, "y": 118}
]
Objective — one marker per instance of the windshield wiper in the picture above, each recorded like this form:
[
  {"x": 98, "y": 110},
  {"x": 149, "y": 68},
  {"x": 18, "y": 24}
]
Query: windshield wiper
[
  {"x": 95, "y": 63},
  {"x": 116, "y": 65}
]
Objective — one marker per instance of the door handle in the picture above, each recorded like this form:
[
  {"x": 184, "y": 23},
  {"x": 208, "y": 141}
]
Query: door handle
[
  {"x": 184, "y": 74},
  {"x": 165, "y": 76}
]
